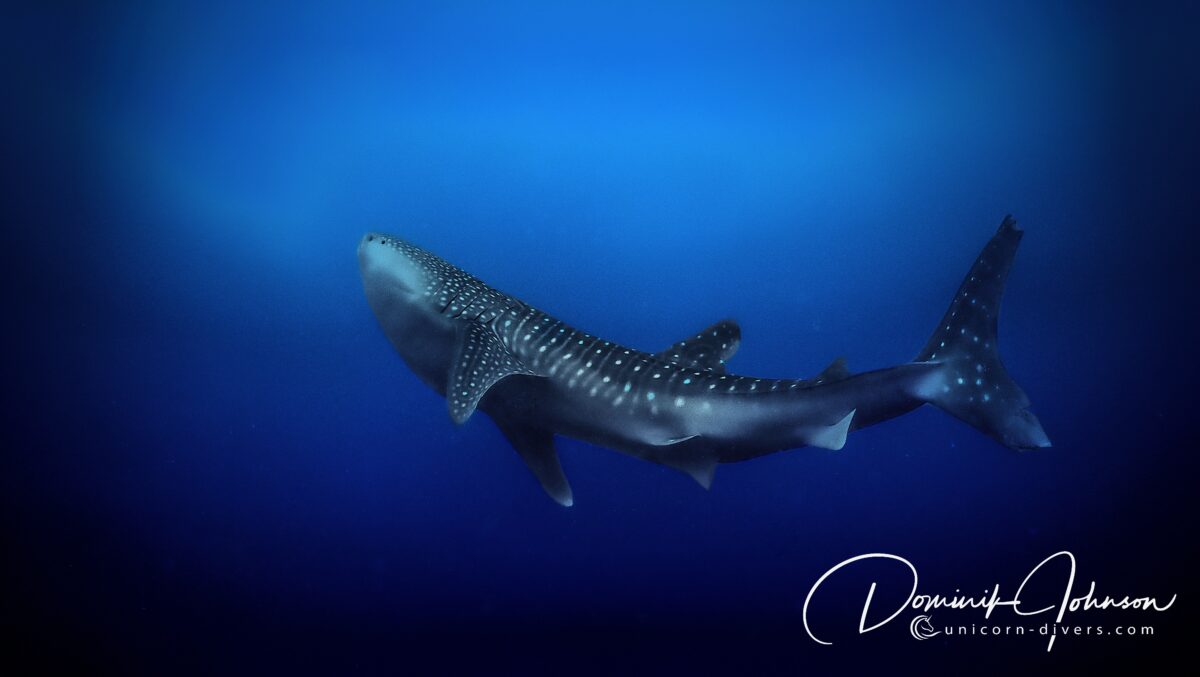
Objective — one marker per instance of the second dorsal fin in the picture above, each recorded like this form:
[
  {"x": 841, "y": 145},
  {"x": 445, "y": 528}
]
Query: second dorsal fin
[{"x": 836, "y": 371}]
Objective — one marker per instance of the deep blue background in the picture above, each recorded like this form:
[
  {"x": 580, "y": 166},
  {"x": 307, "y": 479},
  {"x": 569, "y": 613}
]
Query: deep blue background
[{"x": 216, "y": 461}]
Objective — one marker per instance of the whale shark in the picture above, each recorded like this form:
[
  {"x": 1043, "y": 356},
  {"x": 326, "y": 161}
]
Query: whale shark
[{"x": 537, "y": 377}]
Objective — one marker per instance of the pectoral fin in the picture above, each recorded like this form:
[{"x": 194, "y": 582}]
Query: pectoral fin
[
  {"x": 481, "y": 361},
  {"x": 536, "y": 447}
]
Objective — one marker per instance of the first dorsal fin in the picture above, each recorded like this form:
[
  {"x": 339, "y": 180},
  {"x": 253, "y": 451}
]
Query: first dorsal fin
[
  {"x": 481, "y": 361},
  {"x": 708, "y": 350}
]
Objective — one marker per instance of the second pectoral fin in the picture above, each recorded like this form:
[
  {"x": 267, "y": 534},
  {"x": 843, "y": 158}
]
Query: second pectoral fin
[{"x": 536, "y": 447}]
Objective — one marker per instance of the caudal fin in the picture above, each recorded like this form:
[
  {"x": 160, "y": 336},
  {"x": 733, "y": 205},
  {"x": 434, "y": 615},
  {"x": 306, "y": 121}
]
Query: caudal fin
[{"x": 972, "y": 383}]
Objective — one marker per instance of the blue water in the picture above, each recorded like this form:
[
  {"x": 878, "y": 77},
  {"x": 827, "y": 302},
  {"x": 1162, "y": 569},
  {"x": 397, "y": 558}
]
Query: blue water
[{"x": 217, "y": 461}]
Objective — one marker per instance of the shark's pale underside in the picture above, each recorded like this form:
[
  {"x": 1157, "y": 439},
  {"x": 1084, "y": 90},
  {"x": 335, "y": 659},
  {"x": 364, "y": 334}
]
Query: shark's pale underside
[{"x": 538, "y": 377}]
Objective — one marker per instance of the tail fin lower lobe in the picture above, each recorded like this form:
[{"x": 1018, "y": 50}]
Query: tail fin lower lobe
[{"x": 972, "y": 383}]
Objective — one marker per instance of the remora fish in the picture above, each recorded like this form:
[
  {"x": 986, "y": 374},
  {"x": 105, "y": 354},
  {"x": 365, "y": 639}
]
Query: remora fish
[{"x": 538, "y": 377}]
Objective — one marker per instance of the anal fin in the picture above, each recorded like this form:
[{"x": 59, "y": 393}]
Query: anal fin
[
  {"x": 700, "y": 469},
  {"x": 831, "y": 437},
  {"x": 694, "y": 462}
]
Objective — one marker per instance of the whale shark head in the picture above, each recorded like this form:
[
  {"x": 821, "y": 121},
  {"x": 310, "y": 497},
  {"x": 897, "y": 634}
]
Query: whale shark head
[
  {"x": 390, "y": 265},
  {"x": 396, "y": 272},
  {"x": 419, "y": 300}
]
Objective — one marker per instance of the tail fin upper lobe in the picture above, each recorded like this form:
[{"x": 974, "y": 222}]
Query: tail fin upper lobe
[{"x": 972, "y": 383}]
